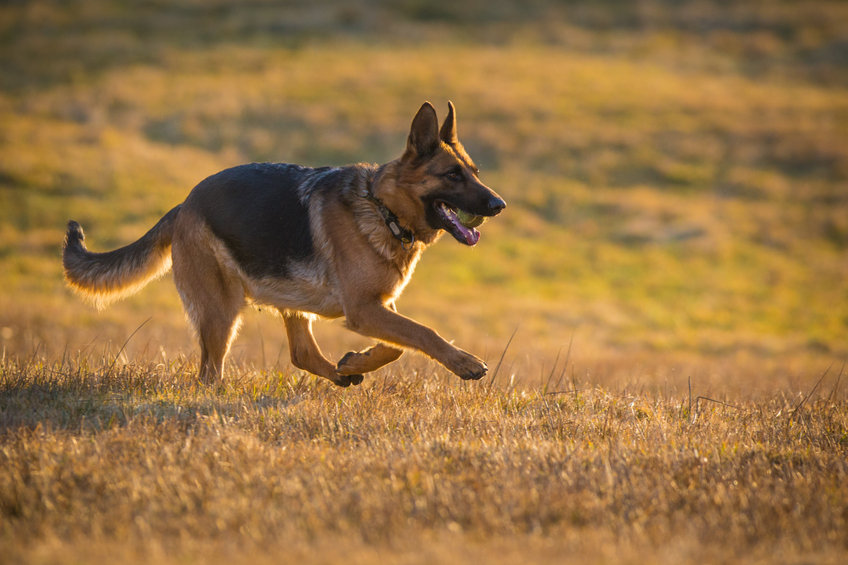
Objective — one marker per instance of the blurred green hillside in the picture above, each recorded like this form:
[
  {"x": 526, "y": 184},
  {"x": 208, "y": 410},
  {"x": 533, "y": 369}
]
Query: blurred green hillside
[{"x": 676, "y": 172}]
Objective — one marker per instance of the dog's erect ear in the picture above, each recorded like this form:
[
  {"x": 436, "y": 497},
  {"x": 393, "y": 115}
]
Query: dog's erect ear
[
  {"x": 448, "y": 131},
  {"x": 424, "y": 134}
]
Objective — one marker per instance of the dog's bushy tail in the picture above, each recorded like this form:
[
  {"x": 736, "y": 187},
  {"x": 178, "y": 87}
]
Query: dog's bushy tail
[{"x": 102, "y": 278}]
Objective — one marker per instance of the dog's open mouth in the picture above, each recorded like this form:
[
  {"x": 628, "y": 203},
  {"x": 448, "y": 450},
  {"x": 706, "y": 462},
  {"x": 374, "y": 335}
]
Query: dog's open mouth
[{"x": 459, "y": 223}]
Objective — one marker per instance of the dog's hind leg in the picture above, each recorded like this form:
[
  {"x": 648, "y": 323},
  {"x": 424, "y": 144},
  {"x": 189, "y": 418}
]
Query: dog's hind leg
[
  {"x": 216, "y": 335},
  {"x": 305, "y": 353},
  {"x": 216, "y": 318},
  {"x": 212, "y": 294},
  {"x": 368, "y": 360}
]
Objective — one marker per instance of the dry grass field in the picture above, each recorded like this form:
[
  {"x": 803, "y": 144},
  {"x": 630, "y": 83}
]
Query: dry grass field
[
  {"x": 663, "y": 305},
  {"x": 138, "y": 463}
]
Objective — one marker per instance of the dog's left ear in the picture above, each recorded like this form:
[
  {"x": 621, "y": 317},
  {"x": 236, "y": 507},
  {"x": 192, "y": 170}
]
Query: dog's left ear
[
  {"x": 448, "y": 131},
  {"x": 424, "y": 133}
]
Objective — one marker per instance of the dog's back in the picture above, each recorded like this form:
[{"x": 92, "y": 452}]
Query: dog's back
[
  {"x": 261, "y": 211},
  {"x": 257, "y": 211}
]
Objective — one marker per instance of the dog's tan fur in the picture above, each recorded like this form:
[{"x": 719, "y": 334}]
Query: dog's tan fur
[{"x": 357, "y": 268}]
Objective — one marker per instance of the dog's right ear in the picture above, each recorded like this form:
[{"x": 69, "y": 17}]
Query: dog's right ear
[{"x": 424, "y": 134}]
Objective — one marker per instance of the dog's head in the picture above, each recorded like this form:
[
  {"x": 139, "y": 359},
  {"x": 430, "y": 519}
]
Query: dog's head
[{"x": 437, "y": 184}]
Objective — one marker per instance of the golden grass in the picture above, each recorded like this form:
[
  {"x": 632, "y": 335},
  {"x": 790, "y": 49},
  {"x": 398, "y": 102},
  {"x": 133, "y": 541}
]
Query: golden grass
[{"x": 412, "y": 467}]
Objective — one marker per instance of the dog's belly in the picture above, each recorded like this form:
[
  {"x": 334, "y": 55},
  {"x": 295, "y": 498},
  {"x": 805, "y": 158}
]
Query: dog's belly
[{"x": 312, "y": 294}]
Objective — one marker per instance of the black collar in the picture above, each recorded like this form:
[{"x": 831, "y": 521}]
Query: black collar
[{"x": 405, "y": 236}]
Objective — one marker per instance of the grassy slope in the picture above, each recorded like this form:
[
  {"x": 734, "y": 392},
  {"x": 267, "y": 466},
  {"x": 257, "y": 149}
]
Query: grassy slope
[
  {"x": 676, "y": 179},
  {"x": 661, "y": 198}
]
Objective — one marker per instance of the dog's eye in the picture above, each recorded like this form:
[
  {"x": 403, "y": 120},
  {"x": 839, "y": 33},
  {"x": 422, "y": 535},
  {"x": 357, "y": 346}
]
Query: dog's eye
[{"x": 454, "y": 175}]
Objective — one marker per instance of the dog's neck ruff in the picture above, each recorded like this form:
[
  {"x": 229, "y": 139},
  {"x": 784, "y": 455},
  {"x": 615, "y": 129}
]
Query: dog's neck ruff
[{"x": 405, "y": 236}]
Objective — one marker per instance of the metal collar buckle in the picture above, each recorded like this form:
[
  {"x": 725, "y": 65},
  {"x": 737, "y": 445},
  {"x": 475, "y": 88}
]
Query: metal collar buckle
[{"x": 405, "y": 236}]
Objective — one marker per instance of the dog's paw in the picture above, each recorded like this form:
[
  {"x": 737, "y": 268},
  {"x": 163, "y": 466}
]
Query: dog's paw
[
  {"x": 347, "y": 380},
  {"x": 342, "y": 381},
  {"x": 467, "y": 366},
  {"x": 347, "y": 364}
]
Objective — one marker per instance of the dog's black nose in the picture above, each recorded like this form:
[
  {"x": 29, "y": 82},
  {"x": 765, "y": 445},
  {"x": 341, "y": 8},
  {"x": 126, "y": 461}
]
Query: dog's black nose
[{"x": 496, "y": 204}]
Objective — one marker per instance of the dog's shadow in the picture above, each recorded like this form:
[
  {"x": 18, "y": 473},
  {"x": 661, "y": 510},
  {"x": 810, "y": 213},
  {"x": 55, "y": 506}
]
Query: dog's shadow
[{"x": 38, "y": 399}]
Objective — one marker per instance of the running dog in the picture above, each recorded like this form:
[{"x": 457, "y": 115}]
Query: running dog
[{"x": 309, "y": 242}]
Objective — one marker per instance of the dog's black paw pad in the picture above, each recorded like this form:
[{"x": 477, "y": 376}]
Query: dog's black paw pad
[
  {"x": 342, "y": 381},
  {"x": 475, "y": 376}
]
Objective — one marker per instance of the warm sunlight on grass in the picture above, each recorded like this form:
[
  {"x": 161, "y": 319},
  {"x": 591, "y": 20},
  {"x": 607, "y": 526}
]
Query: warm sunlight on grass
[
  {"x": 140, "y": 460},
  {"x": 676, "y": 177}
]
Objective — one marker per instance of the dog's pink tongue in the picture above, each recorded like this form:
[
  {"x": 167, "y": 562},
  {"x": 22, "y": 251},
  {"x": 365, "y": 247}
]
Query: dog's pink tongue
[{"x": 472, "y": 236}]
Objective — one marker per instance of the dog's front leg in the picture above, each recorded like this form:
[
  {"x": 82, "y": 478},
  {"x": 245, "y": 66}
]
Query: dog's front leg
[
  {"x": 305, "y": 353},
  {"x": 365, "y": 290},
  {"x": 375, "y": 320},
  {"x": 369, "y": 360}
]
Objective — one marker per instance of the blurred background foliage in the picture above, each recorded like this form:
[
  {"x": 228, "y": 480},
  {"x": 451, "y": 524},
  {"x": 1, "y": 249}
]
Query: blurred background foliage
[{"x": 677, "y": 171}]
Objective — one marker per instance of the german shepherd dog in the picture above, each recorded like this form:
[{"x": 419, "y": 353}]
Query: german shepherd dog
[{"x": 328, "y": 242}]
